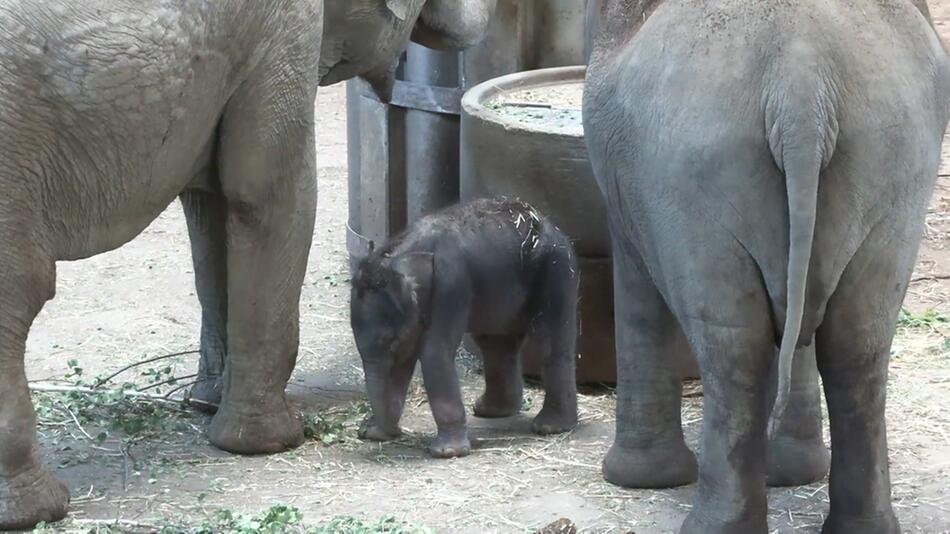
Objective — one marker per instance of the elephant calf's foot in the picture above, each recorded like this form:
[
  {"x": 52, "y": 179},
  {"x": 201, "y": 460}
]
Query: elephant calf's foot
[
  {"x": 205, "y": 395},
  {"x": 450, "y": 445},
  {"x": 373, "y": 432},
  {"x": 662, "y": 466},
  {"x": 697, "y": 523},
  {"x": 493, "y": 407},
  {"x": 553, "y": 421},
  {"x": 256, "y": 432},
  {"x": 30, "y": 498},
  {"x": 844, "y": 524},
  {"x": 794, "y": 462}
]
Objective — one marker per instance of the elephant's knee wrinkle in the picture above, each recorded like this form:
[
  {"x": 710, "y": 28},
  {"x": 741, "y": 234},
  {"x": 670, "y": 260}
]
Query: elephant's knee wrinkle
[{"x": 245, "y": 213}]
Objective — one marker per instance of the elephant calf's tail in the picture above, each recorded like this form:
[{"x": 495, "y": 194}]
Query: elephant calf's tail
[{"x": 802, "y": 141}]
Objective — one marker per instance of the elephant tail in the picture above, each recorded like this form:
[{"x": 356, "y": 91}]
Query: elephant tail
[{"x": 802, "y": 140}]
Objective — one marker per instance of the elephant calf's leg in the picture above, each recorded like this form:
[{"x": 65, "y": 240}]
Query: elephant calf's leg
[
  {"x": 797, "y": 454},
  {"x": 206, "y": 214},
  {"x": 504, "y": 386},
  {"x": 28, "y": 492},
  {"x": 552, "y": 336},
  {"x": 649, "y": 450}
]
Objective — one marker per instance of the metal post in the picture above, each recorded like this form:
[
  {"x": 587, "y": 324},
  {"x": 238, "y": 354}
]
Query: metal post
[{"x": 432, "y": 150}]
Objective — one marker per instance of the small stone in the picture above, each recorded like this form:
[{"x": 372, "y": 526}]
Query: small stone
[{"x": 561, "y": 526}]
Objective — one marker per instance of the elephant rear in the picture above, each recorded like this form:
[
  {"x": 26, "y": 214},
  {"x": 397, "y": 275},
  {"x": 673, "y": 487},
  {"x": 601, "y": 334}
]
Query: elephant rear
[
  {"x": 717, "y": 97},
  {"x": 766, "y": 167}
]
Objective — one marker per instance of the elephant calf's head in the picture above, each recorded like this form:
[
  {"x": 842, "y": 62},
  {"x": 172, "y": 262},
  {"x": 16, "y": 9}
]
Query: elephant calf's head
[{"x": 389, "y": 305}]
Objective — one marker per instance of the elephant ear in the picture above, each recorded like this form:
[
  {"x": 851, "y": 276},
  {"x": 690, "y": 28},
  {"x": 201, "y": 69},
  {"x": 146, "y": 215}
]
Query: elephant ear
[
  {"x": 414, "y": 273},
  {"x": 399, "y": 8}
]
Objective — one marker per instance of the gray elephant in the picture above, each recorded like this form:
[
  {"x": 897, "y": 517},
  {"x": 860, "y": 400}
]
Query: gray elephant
[
  {"x": 767, "y": 168},
  {"x": 109, "y": 110}
]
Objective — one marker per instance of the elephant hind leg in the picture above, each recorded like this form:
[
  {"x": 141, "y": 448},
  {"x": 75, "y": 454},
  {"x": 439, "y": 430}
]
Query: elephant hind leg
[
  {"x": 797, "y": 454},
  {"x": 552, "y": 340},
  {"x": 853, "y": 349},
  {"x": 28, "y": 492},
  {"x": 504, "y": 386},
  {"x": 206, "y": 214}
]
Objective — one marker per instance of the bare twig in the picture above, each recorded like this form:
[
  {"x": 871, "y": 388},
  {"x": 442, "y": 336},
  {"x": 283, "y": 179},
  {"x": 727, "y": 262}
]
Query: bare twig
[
  {"x": 183, "y": 386},
  {"x": 928, "y": 277},
  {"x": 173, "y": 380},
  {"x": 143, "y": 362},
  {"x": 76, "y": 420},
  {"x": 53, "y": 388}
]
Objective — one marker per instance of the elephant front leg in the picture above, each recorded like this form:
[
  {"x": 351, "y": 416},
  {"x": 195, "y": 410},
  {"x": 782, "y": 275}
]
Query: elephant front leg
[
  {"x": 267, "y": 164},
  {"x": 649, "y": 450},
  {"x": 206, "y": 214},
  {"x": 797, "y": 454},
  {"x": 28, "y": 492},
  {"x": 443, "y": 389}
]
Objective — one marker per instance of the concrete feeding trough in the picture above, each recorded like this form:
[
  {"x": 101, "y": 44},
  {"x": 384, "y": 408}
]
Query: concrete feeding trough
[{"x": 523, "y": 137}]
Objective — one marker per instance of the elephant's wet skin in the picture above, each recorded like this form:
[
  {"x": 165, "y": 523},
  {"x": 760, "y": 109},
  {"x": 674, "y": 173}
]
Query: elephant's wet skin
[
  {"x": 766, "y": 168},
  {"x": 492, "y": 268},
  {"x": 111, "y": 110}
]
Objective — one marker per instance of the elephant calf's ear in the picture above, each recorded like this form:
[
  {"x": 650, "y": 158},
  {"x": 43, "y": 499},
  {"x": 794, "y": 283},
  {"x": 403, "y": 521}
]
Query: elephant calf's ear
[
  {"x": 399, "y": 8},
  {"x": 415, "y": 272}
]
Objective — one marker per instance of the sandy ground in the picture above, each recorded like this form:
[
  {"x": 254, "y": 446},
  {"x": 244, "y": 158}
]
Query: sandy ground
[{"x": 139, "y": 302}]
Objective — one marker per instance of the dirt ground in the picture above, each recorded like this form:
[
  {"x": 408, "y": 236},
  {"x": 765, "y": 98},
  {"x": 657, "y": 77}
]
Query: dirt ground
[{"x": 138, "y": 302}]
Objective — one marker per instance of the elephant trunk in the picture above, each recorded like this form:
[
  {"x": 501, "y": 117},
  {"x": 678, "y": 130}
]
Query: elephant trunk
[{"x": 453, "y": 24}]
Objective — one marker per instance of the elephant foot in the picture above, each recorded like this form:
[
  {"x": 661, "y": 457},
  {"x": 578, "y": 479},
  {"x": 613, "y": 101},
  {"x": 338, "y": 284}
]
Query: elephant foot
[
  {"x": 493, "y": 408},
  {"x": 697, "y": 523},
  {"x": 205, "y": 395},
  {"x": 794, "y": 462},
  {"x": 550, "y": 421},
  {"x": 30, "y": 498},
  {"x": 373, "y": 432},
  {"x": 662, "y": 466},
  {"x": 256, "y": 432},
  {"x": 450, "y": 446},
  {"x": 844, "y": 524}
]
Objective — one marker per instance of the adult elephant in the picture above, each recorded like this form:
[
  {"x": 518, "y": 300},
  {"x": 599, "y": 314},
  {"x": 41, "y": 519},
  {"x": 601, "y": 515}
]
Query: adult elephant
[
  {"x": 767, "y": 167},
  {"x": 109, "y": 110}
]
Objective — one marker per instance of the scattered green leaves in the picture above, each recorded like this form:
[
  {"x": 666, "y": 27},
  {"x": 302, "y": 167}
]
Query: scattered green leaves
[
  {"x": 335, "y": 425},
  {"x": 927, "y": 319},
  {"x": 110, "y": 409}
]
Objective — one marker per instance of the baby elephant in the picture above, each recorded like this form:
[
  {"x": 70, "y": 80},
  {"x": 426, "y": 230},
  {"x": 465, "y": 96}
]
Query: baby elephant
[{"x": 492, "y": 268}]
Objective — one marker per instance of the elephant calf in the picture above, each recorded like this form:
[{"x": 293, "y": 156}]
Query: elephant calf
[
  {"x": 495, "y": 269},
  {"x": 767, "y": 167}
]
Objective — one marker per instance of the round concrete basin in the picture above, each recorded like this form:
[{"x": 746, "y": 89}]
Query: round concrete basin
[{"x": 522, "y": 137}]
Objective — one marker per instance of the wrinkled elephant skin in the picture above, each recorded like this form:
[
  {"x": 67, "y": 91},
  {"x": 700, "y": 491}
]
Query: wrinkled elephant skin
[
  {"x": 109, "y": 110},
  {"x": 767, "y": 168}
]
